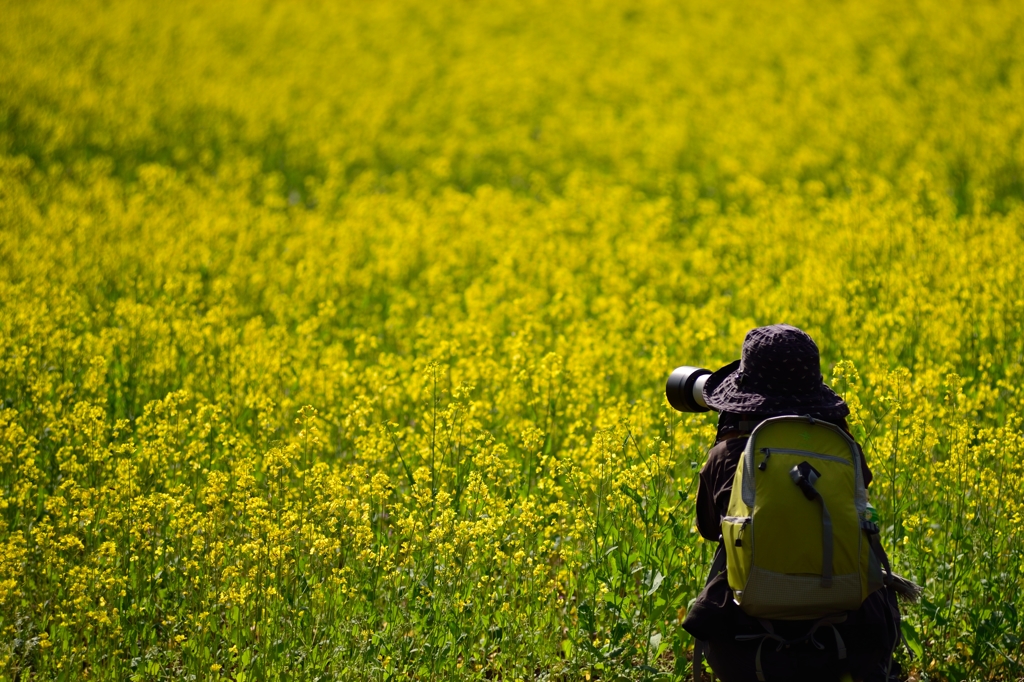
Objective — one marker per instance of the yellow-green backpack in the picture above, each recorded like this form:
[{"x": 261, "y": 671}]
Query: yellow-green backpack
[{"x": 797, "y": 540}]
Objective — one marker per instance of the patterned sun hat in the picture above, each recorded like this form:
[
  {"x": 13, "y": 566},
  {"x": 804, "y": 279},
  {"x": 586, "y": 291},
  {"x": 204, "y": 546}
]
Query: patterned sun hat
[{"x": 779, "y": 373}]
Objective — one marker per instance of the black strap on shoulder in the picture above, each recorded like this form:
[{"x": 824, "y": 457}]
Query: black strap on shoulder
[{"x": 746, "y": 426}]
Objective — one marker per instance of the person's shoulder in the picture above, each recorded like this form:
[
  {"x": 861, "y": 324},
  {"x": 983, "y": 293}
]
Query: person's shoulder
[{"x": 727, "y": 449}]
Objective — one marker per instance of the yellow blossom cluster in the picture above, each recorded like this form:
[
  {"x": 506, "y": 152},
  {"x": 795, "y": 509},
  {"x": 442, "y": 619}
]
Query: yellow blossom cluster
[{"x": 333, "y": 335}]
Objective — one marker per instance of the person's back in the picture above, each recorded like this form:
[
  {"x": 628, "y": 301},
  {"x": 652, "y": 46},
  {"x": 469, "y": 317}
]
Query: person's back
[{"x": 779, "y": 374}]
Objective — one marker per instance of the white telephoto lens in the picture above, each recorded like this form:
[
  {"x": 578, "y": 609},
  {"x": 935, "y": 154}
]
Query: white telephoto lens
[{"x": 698, "y": 390}]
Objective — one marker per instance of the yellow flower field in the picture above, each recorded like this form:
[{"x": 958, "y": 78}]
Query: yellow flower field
[{"x": 333, "y": 335}]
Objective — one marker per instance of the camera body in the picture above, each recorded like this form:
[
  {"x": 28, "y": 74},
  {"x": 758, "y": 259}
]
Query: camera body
[{"x": 685, "y": 389}]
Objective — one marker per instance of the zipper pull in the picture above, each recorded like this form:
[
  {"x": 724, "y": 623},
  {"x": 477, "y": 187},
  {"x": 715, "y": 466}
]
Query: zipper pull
[
  {"x": 739, "y": 538},
  {"x": 764, "y": 462}
]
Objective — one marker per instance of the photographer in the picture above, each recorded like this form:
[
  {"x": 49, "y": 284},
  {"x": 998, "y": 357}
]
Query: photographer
[{"x": 779, "y": 374}]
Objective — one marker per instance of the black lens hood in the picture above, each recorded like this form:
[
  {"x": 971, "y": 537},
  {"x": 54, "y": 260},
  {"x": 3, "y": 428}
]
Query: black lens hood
[{"x": 679, "y": 389}]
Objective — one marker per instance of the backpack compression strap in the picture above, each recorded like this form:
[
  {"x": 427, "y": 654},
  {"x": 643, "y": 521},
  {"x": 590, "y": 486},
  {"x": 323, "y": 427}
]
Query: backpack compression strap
[
  {"x": 805, "y": 476},
  {"x": 876, "y": 546}
]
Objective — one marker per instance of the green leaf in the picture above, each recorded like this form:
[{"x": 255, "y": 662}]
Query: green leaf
[
  {"x": 913, "y": 639},
  {"x": 655, "y": 583}
]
